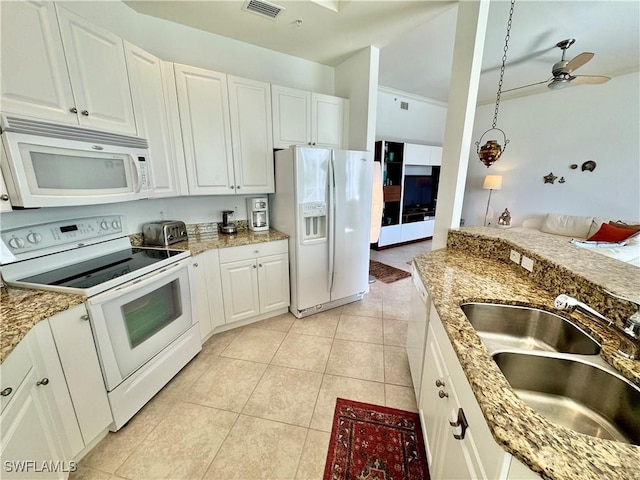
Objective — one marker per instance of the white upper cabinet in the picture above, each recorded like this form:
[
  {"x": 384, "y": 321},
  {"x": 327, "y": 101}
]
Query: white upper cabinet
[
  {"x": 34, "y": 73},
  {"x": 206, "y": 131},
  {"x": 98, "y": 72},
  {"x": 251, "y": 132},
  {"x": 61, "y": 68},
  {"x": 305, "y": 118},
  {"x": 422, "y": 155},
  {"x": 291, "y": 116},
  {"x": 329, "y": 120},
  {"x": 152, "y": 118}
]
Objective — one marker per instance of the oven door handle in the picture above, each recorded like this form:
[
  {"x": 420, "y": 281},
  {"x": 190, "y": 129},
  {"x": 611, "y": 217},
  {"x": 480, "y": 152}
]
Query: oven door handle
[{"x": 143, "y": 281}]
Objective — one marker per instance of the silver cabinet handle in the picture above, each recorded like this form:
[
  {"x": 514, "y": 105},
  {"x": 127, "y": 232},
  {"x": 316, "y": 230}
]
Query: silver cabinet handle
[
  {"x": 260, "y": 265},
  {"x": 439, "y": 383},
  {"x": 254, "y": 266},
  {"x": 85, "y": 113},
  {"x": 44, "y": 381},
  {"x": 238, "y": 187},
  {"x": 442, "y": 394},
  {"x": 231, "y": 187},
  {"x": 73, "y": 110},
  {"x": 84, "y": 317},
  {"x": 6, "y": 391},
  {"x": 195, "y": 264},
  {"x": 4, "y": 197},
  {"x": 462, "y": 423}
]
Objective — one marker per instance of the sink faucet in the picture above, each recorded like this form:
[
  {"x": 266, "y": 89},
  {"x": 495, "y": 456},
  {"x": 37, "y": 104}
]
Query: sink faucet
[{"x": 629, "y": 347}]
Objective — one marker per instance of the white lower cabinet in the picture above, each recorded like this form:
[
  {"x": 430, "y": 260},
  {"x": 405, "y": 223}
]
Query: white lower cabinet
[
  {"x": 458, "y": 441},
  {"x": 38, "y": 427},
  {"x": 206, "y": 292},
  {"x": 255, "y": 279}
]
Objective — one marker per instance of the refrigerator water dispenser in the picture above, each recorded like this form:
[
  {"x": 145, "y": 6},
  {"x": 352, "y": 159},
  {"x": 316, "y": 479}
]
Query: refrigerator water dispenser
[{"x": 314, "y": 221}]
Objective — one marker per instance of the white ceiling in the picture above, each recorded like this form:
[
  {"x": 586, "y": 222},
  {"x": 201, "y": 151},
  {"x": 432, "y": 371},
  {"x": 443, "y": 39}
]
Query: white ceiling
[{"x": 416, "y": 37}]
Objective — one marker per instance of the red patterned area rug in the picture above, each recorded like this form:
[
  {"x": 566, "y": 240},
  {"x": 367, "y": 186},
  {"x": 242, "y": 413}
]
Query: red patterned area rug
[
  {"x": 386, "y": 273},
  {"x": 370, "y": 442}
]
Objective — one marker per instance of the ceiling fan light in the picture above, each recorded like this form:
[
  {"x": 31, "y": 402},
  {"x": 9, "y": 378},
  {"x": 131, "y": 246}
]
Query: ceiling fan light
[{"x": 559, "y": 83}]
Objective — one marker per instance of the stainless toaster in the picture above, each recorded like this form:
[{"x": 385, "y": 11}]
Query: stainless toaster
[{"x": 164, "y": 232}]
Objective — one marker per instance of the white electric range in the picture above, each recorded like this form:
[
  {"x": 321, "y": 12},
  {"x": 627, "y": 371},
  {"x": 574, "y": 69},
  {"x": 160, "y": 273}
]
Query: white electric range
[{"x": 138, "y": 299}]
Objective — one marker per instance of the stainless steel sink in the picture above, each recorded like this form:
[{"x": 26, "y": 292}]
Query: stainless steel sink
[
  {"x": 578, "y": 395},
  {"x": 528, "y": 329}
]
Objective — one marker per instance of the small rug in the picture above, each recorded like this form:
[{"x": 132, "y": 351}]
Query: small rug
[
  {"x": 370, "y": 442},
  {"x": 386, "y": 273}
]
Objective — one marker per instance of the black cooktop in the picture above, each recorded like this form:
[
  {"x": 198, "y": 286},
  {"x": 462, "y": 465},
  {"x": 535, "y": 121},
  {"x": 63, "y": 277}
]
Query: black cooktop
[{"x": 90, "y": 273}]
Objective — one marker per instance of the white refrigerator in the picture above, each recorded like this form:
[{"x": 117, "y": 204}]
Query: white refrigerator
[{"x": 323, "y": 202}]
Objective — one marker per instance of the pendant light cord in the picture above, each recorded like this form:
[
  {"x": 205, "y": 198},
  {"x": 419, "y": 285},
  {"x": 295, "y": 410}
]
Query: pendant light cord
[{"x": 504, "y": 61}]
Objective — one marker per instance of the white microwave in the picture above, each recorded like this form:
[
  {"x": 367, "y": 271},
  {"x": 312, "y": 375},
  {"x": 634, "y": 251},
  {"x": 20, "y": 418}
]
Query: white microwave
[{"x": 54, "y": 165}]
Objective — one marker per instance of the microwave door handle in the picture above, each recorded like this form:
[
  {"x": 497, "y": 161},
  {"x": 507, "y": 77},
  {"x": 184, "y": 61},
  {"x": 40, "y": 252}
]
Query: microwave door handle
[
  {"x": 135, "y": 284},
  {"x": 136, "y": 170}
]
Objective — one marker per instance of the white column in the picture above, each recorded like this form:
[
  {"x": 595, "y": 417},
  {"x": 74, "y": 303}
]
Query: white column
[{"x": 465, "y": 78}]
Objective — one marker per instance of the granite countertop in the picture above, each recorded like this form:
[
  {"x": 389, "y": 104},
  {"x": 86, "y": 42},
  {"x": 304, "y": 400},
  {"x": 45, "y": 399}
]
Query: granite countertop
[
  {"x": 21, "y": 309},
  {"x": 202, "y": 242},
  {"x": 456, "y": 275}
]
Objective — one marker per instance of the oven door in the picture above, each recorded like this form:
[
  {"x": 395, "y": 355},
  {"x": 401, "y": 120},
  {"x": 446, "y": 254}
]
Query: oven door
[{"x": 134, "y": 322}]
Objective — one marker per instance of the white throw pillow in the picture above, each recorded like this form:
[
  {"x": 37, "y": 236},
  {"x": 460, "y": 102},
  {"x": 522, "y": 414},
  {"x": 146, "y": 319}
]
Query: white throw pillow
[{"x": 567, "y": 225}]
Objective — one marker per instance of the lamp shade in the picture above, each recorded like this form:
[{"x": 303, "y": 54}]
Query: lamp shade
[{"x": 492, "y": 182}]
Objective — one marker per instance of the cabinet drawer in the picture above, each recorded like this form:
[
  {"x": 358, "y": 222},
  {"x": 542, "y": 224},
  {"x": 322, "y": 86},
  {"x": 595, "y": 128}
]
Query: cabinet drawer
[
  {"x": 234, "y": 254},
  {"x": 13, "y": 371}
]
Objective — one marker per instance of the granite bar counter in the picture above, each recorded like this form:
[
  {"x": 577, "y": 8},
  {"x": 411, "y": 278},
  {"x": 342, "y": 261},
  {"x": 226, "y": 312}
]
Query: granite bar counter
[{"x": 473, "y": 269}]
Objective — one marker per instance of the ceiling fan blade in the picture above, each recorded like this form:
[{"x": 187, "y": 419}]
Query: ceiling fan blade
[
  {"x": 518, "y": 61},
  {"x": 590, "y": 79},
  {"x": 525, "y": 86},
  {"x": 577, "y": 61}
]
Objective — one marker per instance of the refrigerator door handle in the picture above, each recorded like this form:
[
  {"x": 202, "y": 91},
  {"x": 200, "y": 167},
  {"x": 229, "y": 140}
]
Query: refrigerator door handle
[{"x": 331, "y": 218}]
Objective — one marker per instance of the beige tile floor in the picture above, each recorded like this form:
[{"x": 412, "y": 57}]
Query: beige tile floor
[{"x": 258, "y": 401}]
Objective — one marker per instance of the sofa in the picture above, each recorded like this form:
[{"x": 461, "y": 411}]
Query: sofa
[{"x": 598, "y": 234}]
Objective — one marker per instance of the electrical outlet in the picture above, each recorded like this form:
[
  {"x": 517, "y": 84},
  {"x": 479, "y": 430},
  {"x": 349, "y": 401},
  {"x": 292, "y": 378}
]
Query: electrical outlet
[
  {"x": 527, "y": 263},
  {"x": 514, "y": 257}
]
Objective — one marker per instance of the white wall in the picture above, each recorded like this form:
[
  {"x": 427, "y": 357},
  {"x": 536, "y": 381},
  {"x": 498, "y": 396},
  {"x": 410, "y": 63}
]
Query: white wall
[
  {"x": 548, "y": 132},
  {"x": 423, "y": 123},
  {"x": 202, "y": 209},
  {"x": 181, "y": 44},
  {"x": 357, "y": 80}
]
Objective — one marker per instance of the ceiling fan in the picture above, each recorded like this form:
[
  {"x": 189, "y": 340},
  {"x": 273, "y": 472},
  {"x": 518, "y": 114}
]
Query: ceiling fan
[{"x": 562, "y": 71}]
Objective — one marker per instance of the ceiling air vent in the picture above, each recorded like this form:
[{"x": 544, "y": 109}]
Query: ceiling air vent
[{"x": 263, "y": 8}]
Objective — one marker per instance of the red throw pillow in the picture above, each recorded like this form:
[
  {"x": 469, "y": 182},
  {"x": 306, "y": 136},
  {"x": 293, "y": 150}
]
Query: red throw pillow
[{"x": 609, "y": 233}]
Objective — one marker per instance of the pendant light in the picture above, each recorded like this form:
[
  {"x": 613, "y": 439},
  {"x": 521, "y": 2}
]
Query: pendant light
[{"x": 491, "y": 151}]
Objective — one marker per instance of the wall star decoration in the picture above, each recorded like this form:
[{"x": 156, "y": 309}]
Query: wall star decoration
[{"x": 551, "y": 178}]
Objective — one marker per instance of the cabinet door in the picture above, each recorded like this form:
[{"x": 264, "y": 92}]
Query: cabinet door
[
  {"x": 329, "y": 119},
  {"x": 152, "y": 122},
  {"x": 206, "y": 131},
  {"x": 417, "y": 154},
  {"x": 77, "y": 351},
  {"x": 98, "y": 72},
  {"x": 291, "y": 117},
  {"x": 34, "y": 73},
  {"x": 28, "y": 432},
  {"x": 434, "y": 402},
  {"x": 436, "y": 156},
  {"x": 252, "y": 135},
  {"x": 240, "y": 290},
  {"x": 273, "y": 282}
]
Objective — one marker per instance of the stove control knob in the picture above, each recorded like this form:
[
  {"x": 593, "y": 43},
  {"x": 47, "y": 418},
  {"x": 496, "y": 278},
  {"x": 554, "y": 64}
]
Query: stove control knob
[
  {"x": 16, "y": 242},
  {"x": 34, "y": 238},
  {"x": 104, "y": 225},
  {"x": 116, "y": 224}
]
